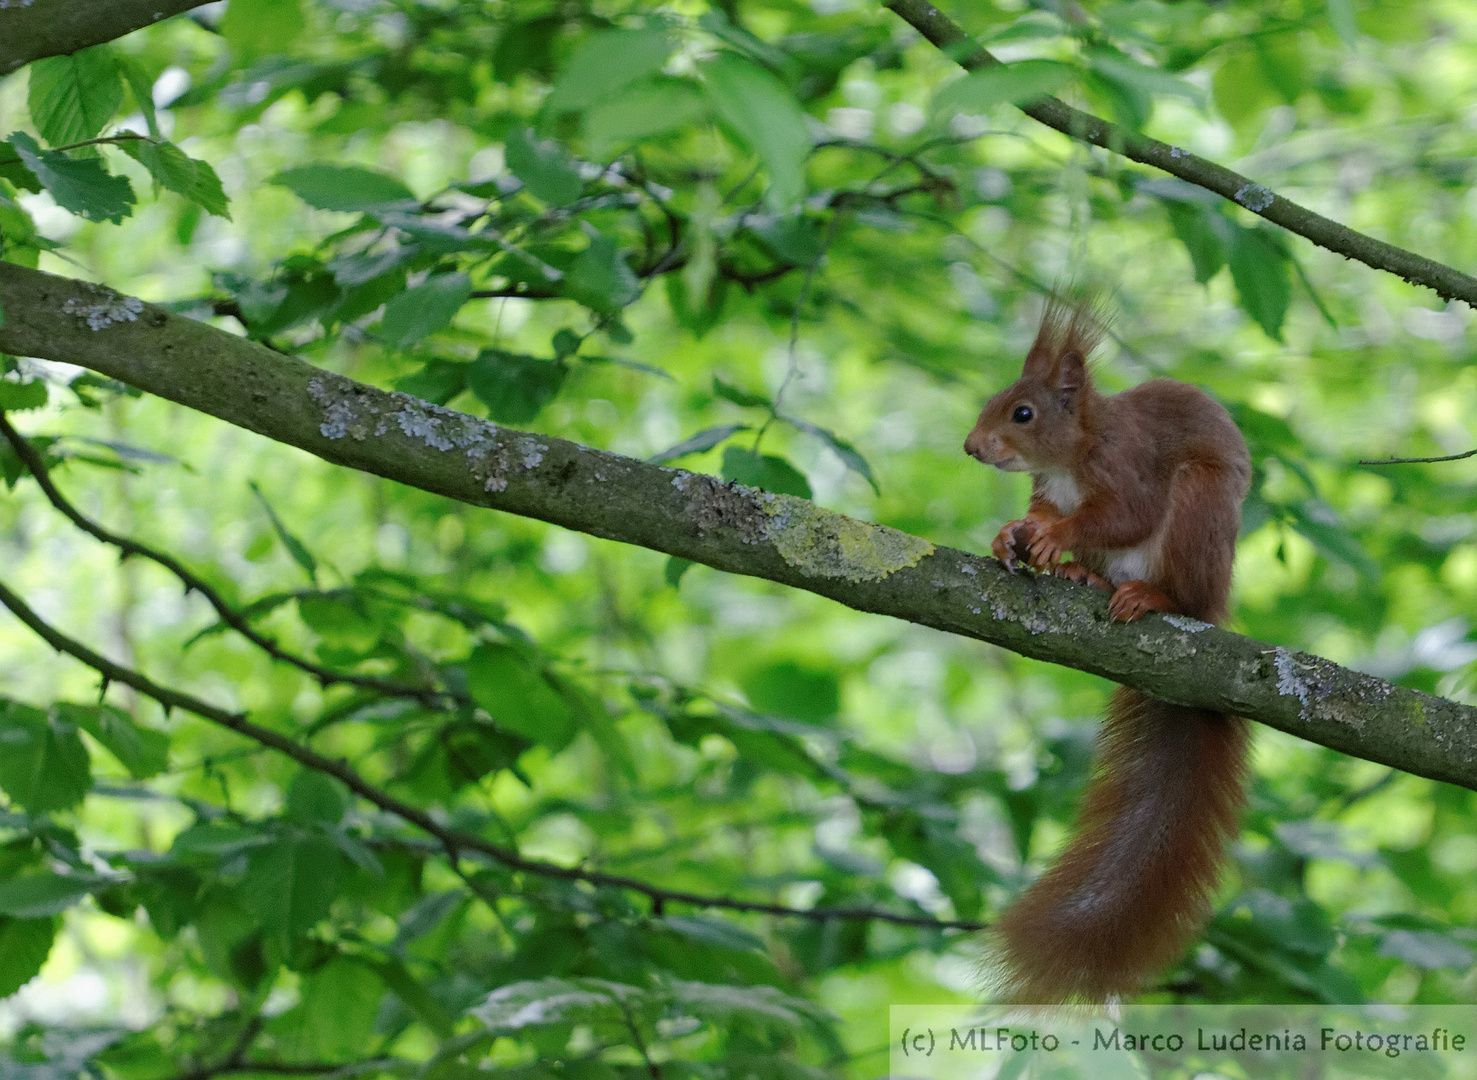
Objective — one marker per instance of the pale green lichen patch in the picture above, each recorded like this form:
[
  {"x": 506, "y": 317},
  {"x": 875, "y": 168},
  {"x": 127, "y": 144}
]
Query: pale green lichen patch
[{"x": 821, "y": 543}]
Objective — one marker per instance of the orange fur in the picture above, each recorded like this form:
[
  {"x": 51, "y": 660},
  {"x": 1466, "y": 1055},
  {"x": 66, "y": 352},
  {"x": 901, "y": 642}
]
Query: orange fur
[{"x": 1144, "y": 488}]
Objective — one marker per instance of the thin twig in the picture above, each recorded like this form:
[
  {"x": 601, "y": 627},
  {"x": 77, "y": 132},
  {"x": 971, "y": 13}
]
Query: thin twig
[
  {"x": 1447, "y": 282},
  {"x": 452, "y": 840},
  {"x": 228, "y": 615},
  {"x": 1419, "y": 460}
]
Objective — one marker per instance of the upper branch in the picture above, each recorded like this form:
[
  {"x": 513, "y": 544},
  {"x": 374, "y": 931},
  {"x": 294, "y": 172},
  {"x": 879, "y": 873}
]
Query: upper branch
[
  {"x": 730, "y": 527},
  {"x": 1448, "y": 283},
  {"x": 31, "y": 31}
]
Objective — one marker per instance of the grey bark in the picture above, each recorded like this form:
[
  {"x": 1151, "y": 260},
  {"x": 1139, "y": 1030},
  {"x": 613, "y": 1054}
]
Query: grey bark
[
  {"x": 733, "y": 528},
  {"x": 34, "y": 29}
]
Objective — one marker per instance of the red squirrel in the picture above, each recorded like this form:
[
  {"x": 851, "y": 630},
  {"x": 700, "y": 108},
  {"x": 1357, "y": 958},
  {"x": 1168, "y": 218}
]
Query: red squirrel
[{"x": 1144, "y": 488}]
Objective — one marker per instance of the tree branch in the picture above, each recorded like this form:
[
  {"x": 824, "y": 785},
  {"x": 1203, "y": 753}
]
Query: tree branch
[
  {"x": 452, "y": 841},
  {"x": 729, "y": 527},
  {"x": 427, "y": 695},
  {"x": 1447, "y": 282},
  {"x": 33, "y": 30}
]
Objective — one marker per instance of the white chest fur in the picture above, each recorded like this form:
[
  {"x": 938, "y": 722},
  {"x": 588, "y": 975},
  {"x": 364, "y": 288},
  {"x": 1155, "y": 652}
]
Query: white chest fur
[
  {"x": 1127, "y": 564},
  {"x": 1061, "y": 490}
]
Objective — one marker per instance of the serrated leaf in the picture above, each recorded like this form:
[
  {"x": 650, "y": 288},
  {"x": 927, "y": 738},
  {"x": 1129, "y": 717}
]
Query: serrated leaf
[
  {"x": 517, "y": 696},
  {"x": 290, "y": 884},
  {"x": 1013, "y": 84},
  {"x": 72, "y": 98},
  {"x": 764, "y": 471},
  {"x": 44, "y": 765},
  {"x": 81, "y": 185},
  {"x": 606, "y": 61},
  {"x": 143, "y": 752},
  {"x": 514, "y": 387},
  {"x": 766, "y": 118},
  {"x": 142, "y": 88},
  {"x": 343, "y": 187},
  {"x": 335, "y": 1016},
  {"x": 538, "y": 1002},
  {"x": 696, "y": 444},
  {"x": 24, "y": 947},
  {"x": 543, "y": 166},
  {"x": 176, "y": 171},
  {"x": 1263, "y": 286},
  {"x": 16, "y": 396},
  {"x": 424, "y": 309},
  {"x": 295, "y": 547}
]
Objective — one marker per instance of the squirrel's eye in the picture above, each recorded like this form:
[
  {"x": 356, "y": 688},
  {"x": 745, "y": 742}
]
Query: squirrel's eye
[{"x": 1022, "y": 414}]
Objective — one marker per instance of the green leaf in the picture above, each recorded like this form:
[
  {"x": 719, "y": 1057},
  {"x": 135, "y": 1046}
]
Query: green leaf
[
  {"x": 606, "y": 61},
  {"x": 517, "y": 696},
  {"x": 845, "y": 450},
  {"x": 36, "y": 896},
  {"x": 766, "y": 118},
  {"x": 143, "y": 752},
  {"x": 1426, "y": 949},
  {"x": 315, "y": 796},
  {"x": 176, "y": 171},
  {"x": 541, "y": 1002},
  {"x": 16, "y": 396},
  {"x": 764, "y": 471},
  {"x": 260, "y": 27},
  {"x": 420, "y": 1001},
  {"x": 512, "y": 386},
  {"x": 1012, "y": 84},
  {"x": 24, "y": 946},
  {"x": 1151, "y": 82},
  {"x": 710, "y": 931},
  {"x": 696, "y": 444},
  {"x": 81, "y": 185},
  {"x": 1203, "y": 232},
  {"x": 600, "y": 278},
  {"x": 343, "y": 187},
  {"x": 788, "y": 689},
  {"x": 674, "y": 568},
  {"x": 640, "y": 112},
  {"x": 295, "y": 547},
  {"x": 334, "y": 1018},
  {"x": 437, "y": 382},
  {"x": 43, "y": 763},
  {"x": 1263, "y": 285},
  {"x": 424, "y": 309},
  {"x": 729, "y": 392},
  {"x": 142, "y": 88},
  {"x": 544, "y": 167},
  {"x": 72, "y": 98},
  {"x": 290, "y": 884}
]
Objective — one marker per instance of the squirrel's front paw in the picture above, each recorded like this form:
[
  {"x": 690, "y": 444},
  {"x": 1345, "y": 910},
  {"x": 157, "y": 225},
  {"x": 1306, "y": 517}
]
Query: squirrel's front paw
[
  {"x": 1046, "y": 548},
  {"x": 1012, "y": 542}
]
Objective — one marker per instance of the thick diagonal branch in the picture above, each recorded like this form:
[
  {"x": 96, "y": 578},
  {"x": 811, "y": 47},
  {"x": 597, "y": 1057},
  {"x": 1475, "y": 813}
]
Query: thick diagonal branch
[
  {"x": 1448, "y": 283},
  {"x": 729, "y": 527},
  {"x": 32, "y": 31}
]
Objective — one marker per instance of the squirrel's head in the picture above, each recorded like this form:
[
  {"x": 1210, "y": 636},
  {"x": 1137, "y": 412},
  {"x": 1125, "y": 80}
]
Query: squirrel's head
[{"x": 1039, "y": 422}]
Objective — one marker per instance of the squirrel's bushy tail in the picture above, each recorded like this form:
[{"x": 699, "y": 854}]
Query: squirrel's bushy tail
[{"x": 1134, "y": 883}]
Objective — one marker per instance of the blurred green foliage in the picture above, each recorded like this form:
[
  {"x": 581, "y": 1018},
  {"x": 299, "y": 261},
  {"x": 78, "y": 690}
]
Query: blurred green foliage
[{"x": 782, "y": 242}]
